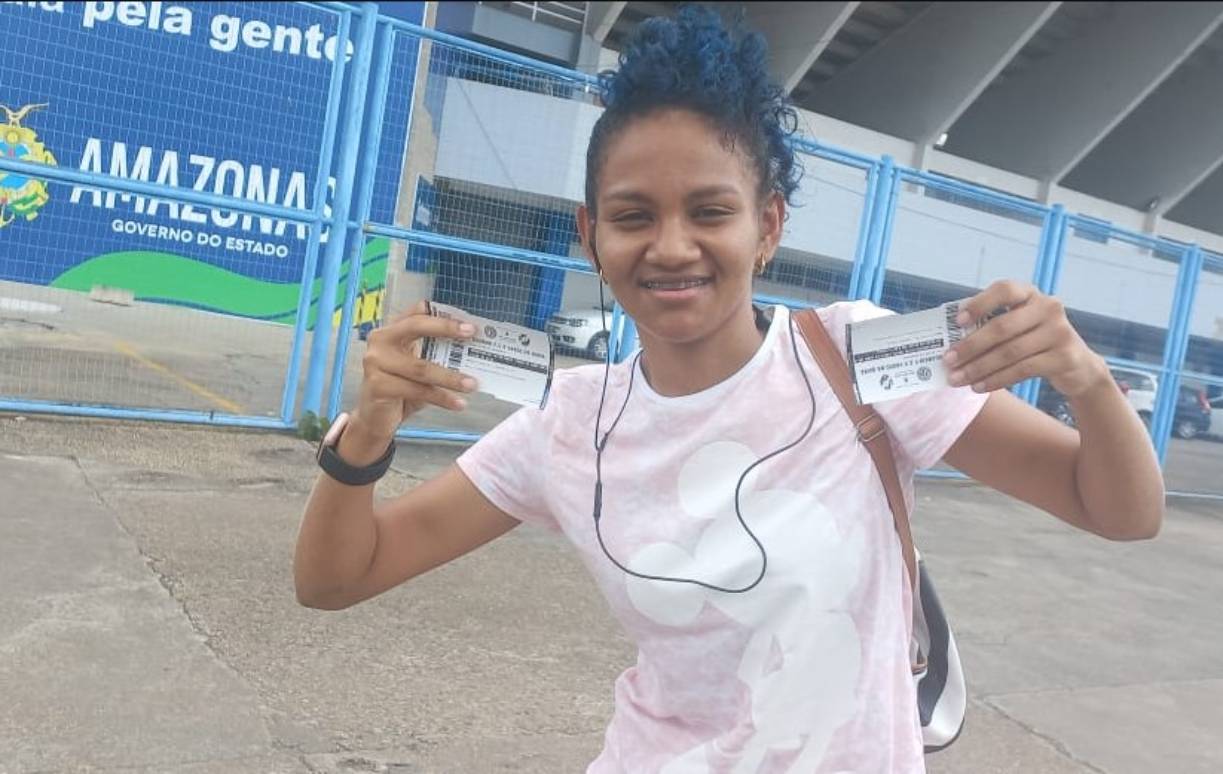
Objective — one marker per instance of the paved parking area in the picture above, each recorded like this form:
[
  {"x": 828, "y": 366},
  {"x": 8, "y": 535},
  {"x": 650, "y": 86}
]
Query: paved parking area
[
  {"x": 148, "y": 625},
  {"x": 61, "y": 346}
]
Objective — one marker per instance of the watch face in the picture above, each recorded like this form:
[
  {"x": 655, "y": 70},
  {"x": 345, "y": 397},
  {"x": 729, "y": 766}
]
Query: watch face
[{"x": 333, "y": 432}]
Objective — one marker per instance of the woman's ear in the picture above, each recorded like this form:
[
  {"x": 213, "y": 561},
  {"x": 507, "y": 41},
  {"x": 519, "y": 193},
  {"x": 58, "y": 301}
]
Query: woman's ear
[
  {"x": 772, "y": 219},
  {"x": 586, "y": 232}
]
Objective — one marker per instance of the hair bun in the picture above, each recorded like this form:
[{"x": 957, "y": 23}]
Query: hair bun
[{"x": 695, "y": 61}]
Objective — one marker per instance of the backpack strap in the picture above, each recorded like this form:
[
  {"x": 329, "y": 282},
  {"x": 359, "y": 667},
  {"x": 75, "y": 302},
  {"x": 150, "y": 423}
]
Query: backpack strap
[{"x": 872, "y": 430}]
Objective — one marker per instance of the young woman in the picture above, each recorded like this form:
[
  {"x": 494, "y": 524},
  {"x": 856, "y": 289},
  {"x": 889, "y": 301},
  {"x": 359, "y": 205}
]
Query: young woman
[{"x": 722, "y": 503}]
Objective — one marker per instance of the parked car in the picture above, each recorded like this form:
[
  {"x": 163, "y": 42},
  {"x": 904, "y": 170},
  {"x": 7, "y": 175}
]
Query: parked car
[
  {"x": 1054, "y": 404},
  {"x": 1216, "y": 415},
  {"x": 580, "y": 330},
  {"x": 1139, "y": 387},
  {"x": 1193, "y": 413}
]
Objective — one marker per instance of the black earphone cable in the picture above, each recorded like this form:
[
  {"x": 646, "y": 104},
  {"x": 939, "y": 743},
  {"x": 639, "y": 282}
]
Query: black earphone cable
[{"x": 601, "y": 445}]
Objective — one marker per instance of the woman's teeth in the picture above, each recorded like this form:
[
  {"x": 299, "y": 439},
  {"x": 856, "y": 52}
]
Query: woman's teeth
[{"x": 675, "y": 284}]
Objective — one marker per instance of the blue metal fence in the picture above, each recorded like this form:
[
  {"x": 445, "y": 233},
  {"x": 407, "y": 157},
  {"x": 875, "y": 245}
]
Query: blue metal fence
[
  {"x": 118, "y": 404},
  {"x": 884, "y": 194},
  {"x": 533, "y": 264}
]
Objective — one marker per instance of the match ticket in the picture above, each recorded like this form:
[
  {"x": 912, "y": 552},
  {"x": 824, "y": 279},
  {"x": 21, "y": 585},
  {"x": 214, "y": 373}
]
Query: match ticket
[
  {"x": 898, "y": 355},
  {"x": 509, "y": 362}
]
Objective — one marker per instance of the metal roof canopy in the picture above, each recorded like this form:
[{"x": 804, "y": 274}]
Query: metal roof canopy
[{"x": 1122, "y": 101}]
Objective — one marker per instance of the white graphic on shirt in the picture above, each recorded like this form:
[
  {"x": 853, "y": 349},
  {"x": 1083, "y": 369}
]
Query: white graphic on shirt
[{"x": 804, "y": 656}]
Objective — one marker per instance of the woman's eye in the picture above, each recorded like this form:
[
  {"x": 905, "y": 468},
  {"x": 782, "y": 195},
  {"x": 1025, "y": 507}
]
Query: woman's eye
[
  {"x": 712, "y": 213},
  {"x": 630, "y": 218}
]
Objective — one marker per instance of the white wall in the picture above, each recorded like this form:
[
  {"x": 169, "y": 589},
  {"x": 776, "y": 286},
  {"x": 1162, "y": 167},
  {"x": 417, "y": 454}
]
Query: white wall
[
  {"x": 954, "y": 244},
  {"x": 536, "y": 143},
  {"x": 829, "y": 211},
  {"x": 1208, "y": 308},
  {"x": 515, "y": 139},
  {"x": 581, "y": 291}
]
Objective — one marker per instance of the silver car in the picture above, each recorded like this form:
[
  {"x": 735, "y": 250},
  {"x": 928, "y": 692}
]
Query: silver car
[{"x": 580, "y": 330}]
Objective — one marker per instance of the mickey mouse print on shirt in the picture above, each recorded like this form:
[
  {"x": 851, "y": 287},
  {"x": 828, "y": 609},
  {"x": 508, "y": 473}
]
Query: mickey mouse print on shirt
[{"x": 803, "y": 659}]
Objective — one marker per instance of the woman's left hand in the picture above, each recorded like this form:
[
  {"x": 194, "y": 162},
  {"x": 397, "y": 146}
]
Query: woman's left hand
[{"x": 1032, "y": 338}]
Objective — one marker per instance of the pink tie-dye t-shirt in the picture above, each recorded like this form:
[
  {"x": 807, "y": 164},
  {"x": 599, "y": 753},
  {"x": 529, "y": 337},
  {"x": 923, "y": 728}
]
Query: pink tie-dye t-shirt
[{"x": 808, "y": 671}]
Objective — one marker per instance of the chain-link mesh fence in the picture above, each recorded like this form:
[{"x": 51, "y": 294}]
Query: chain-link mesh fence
[
  {"x": 495, "y": 155},
  {"x": 946, "y": 244},
  {"x": 815, "y": 261},
  {"x": 1119, "y": 292},
  {"x": 493, "y": 159},
  {"x": 1194, "y": 461},
  {"x": 122, "y": 300}
]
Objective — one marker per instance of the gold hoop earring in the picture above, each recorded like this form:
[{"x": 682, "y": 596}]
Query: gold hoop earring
[{"x": 760, "y": 266}]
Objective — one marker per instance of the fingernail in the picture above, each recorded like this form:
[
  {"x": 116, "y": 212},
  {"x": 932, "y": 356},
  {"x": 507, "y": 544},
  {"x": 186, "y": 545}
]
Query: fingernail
[
  {"x": 467, "y": 329},
  {"x": 956, "y": 378},
  {"x": 978, "y": 387},
  {"x": 460, "y": 403},
  {"x": 950, "y": 357},
  {"x": 468, "y": 383},
  {"x": 963, "y": 318}
]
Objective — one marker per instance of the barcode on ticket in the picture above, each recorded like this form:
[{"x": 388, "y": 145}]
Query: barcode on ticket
[
  {"x": 954, "y": 332},
  {"x": 455, "y": 361}
]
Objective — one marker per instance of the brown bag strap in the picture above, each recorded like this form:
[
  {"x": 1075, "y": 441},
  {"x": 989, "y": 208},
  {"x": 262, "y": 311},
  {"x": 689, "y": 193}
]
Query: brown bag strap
[{"x": 872, "y": 430}]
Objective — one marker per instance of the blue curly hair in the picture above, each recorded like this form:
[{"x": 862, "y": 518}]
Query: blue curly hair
[{"x": 694, "y": 62}]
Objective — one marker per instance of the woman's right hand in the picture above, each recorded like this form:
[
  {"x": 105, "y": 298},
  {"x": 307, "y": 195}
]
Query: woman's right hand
[{"x": 397, "y": 382}]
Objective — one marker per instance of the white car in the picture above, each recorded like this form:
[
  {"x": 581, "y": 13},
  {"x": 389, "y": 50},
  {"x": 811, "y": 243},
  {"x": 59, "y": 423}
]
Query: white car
[
  {"x": 581, "y": 330},
  {"x": 1216, "y": 415},
  {"x": 1140, "y": 388}
]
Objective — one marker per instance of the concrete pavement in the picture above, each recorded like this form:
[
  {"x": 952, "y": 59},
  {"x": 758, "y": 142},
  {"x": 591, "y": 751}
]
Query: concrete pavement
[{"x": 148, "y": 624}]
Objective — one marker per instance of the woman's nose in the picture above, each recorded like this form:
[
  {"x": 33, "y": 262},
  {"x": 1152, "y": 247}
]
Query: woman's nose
[{"x": 673, "y": 244}]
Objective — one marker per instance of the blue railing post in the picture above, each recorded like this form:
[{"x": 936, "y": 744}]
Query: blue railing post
[
  {"x": 887, "y": 219},
  {"x": 1175, "y": 347},
  {"x": 1057, "y": 248},
  {"x": 1057, "y": 259},
  {"x": 628, "y": 339},
  {"x": 613, "y": 335},
  {"x": 860, "y": 280},
  {"x": 1042, "y": 278},
  {"x": 350, "y": 138},
  {"x": 367, "y": 172},
  {"x": 1040, "y": 273},
  {"x": 865, "y": 225},
  {"x": 288, "y": 399}
]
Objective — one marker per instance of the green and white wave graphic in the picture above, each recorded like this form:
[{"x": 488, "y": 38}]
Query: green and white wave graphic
[{"x": 166, "y": 278}]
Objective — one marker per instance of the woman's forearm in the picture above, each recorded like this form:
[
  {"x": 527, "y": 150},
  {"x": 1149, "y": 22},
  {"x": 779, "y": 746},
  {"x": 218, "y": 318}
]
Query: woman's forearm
[
  {"x": 1116, "y": 472},
  {"x": 338, "y": 533}
]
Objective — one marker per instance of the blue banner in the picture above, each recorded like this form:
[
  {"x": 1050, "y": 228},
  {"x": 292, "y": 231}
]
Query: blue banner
[{"x": 227, "y": 98}]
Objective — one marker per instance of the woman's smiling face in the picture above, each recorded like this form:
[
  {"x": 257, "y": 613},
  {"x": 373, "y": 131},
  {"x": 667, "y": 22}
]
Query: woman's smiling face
[{"x": 680, "y": 225}]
